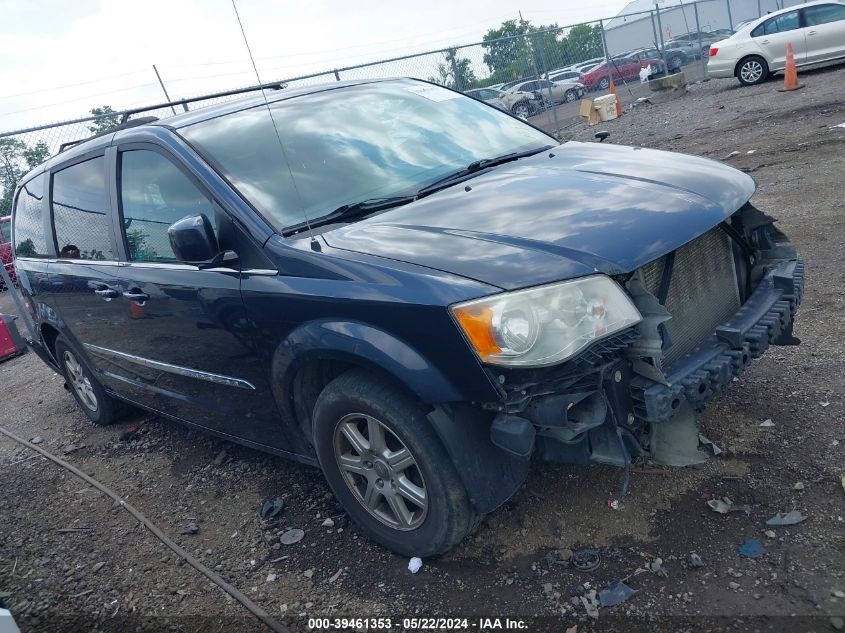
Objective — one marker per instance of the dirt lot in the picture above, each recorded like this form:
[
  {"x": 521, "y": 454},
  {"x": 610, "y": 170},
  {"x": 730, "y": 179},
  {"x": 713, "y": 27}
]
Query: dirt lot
[{"x": 509, "y": 567}]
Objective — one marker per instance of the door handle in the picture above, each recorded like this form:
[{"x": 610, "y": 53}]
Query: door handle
[
  {"x": 764, "y": 41},
  {"x": 811, "y": 33},
  {"x": 106, "y": 292},
  {"x": 136, "y": 296}
]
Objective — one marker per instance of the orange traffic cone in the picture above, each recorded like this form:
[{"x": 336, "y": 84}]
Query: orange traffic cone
[
  {"x": 618, "y": 103},
  {"x": 790, "y": 75}
]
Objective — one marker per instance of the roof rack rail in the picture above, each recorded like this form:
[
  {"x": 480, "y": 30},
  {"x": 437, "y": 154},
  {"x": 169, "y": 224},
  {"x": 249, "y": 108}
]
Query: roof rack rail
[{"x": 123, "y": 125}]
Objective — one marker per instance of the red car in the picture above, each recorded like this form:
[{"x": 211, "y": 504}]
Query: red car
[
  {"x": 6, "y": 248},
  {"x": 623, "y": 69}
]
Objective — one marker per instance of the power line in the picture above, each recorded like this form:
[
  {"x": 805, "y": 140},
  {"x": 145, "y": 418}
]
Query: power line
[{"x": 81, "y": 83}]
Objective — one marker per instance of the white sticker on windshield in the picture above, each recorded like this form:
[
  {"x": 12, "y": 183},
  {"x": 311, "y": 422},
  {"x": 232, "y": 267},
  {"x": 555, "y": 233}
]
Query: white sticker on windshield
[{"x": 433, "y": 93}]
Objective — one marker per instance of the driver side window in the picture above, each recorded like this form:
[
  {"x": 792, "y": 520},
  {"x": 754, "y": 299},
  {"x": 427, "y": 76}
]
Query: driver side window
[{"x": 154, "y": 194}]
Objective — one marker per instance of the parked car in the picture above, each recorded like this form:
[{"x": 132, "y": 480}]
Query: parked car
[
  {"x": 565, "y": 75},
  {"x": 674, "y": 58},
  {"x": 557, "y": 92},
  {"x": 6, "y": 256},
  {"x": 412, "y": 290},
  {"x": 695, "y": 45},
  {"x": 522, "y": 104},
  {"x": 622, "y": 69},
  {"x": 815, "y": 29}
]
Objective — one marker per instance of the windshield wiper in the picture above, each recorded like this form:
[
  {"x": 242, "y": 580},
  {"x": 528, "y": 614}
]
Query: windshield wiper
[
  {"x": 476, "y": 166},
  {"x": 353, "y": 210}
]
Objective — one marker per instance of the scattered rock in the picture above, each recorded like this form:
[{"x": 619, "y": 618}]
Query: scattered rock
[
  {"x": 656, "y": 566},
  {"x": 221, "y": 457},
  {"x": 694, "y": 560},
  {"x": 294, "y": 535},
  {"x": 836, "y": 593},
  {"x": 271, "y": 508},
  {"x": 770, "y": 534},
  {"x": 798, "y": 486},
  {"x": 328, "y": 523},
  {"x": 271, "y": 578},
  {"x": 335, "y": 575},
  {"x": 788, "y": 518},
  {"x": 98, "y": 567},
  {"x": 308, "y": 573},
  {"x": 767, "y": 423},
  {"x": 414, "y": 565},
  {"x": 837, "y": 623},
  {"x": 36, "y": 440},
  {"x": 190, "y": 528},
  {"x": 733, "y": 585},
  {"x": 72, "y": 448}
]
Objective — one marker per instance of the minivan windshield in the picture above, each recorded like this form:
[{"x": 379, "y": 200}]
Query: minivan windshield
[{"x": 355, "y": 143}]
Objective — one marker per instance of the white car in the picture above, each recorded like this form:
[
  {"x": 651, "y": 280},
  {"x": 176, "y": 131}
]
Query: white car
[
  {"x": 757, "y": 49},
  {"x": 559, "y": 91},
  {"x": 522, "y": 104}
]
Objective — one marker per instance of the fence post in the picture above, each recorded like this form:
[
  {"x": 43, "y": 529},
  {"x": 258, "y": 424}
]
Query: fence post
[
  {"x": 606, "y": 53},
  {"x": 730, "y": 17},
  {"x": 336, "y": 74},
  {"x": 659, "y": 26},
  {"x": 546, "y": 76},
  {"x": 700, "y": 47},
  {"x": 14, "y": 291}
]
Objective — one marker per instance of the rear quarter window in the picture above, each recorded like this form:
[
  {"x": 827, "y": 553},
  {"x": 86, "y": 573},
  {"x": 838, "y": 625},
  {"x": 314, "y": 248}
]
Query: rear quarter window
[{"x": 28, "y": 220}]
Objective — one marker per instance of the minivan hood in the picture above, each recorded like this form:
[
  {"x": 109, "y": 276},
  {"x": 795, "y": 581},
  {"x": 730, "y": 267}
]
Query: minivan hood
[{"x": 577, "y": 209}]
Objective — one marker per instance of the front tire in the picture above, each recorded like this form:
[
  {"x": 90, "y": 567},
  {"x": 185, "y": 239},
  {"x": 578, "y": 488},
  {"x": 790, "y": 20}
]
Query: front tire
[
  {"x": 89, "y": 394},
  {"x": 388, "y": 468},
  {"x": 570, "y": 96},
  {"x": 752, "y": 71},
  {"x": 522, "y": 110}
]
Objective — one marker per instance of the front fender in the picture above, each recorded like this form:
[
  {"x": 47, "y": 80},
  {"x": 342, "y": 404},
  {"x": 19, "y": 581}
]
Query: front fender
[{"x": 361, "y": 344}]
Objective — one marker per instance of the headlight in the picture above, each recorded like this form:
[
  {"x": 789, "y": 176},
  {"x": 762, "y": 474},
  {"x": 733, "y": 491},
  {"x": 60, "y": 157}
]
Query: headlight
[{"x": 547, "y": 324}]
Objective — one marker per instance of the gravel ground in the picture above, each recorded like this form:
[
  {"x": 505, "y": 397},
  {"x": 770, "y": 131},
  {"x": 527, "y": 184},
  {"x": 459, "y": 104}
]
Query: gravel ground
[{"x": 110, "y": 574}]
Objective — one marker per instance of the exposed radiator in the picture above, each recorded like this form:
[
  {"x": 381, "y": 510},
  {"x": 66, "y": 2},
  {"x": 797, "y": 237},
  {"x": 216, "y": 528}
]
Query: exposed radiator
[{"x": 703, "y": 291}]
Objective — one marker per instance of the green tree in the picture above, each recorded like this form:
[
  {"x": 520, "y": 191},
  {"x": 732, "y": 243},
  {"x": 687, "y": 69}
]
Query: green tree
[
  {"x": 583, "y": 42},
  {"x": 455, "y": 72},
  {"x": 16, "y": 159},
  {"x": 139, "y": 250},
  {"x": 103, "y": 124},
  {"x": 529, "y": 50}
]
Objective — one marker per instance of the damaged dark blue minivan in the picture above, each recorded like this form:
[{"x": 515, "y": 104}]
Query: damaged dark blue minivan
[{"x": 415, "y": 291}]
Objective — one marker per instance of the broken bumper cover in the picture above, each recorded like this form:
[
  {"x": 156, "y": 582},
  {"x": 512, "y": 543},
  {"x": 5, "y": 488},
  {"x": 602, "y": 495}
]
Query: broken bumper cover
[{"x": 764, "y": 319}]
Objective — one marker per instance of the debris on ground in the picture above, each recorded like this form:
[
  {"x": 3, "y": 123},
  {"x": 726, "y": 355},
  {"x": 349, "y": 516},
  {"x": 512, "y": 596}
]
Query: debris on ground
[
  {"x": 271, "y": 508},
  {"x": 770, "y": 534},
  {"x": 335, "y": 575},
  {"x": 656, "y": 567},
  {"x": 824, "y": 404},
  {"x": 328, "y": 523},
  {"x": 725, "y": 505},
  {"x": 837, "y": 623},
  {"x": 130, "y": 433},
  {"x": 714, "y": 448},
  {"x": 271, "y": 578},
  {"x": 294, "y": 535},
  {"x": 694, "y": 560},
  {"x": 731, "y": 155},
  {"x": 798, "y": 486},
  {"x": 767, "y": 423},
  {"x": 586, "y": 558},
  {"x": 72, "y": 448},
  {"x": 190, "y": 528},
  {"x": 786, "y": 518},
  {"x": 98, "y": 567},
  {"x": 752, "y": 548},
  {"x": 36, "y": 440},
  {"x": 590, "y": 601},
  {"x": 414, "y": 565},
  {"x": 617, "y": 592}
]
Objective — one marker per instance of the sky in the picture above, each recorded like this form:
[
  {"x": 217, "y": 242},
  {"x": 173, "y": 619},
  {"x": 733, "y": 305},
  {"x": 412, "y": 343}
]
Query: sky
[{"x": 59, "y": 59}]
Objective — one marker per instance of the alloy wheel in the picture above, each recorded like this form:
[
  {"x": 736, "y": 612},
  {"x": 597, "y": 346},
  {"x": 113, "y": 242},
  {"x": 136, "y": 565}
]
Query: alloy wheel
[
  {"x": 521, "y": 110},
  {"x": 751, "y": 71},
  {"x": 79, "y": 381},
  {"x": 569, "y": 96},
  {"x": 380, "y": 471}
]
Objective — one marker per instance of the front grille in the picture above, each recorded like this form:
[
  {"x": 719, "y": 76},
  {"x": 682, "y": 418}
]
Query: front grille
[{"x": 703, "y": 290}]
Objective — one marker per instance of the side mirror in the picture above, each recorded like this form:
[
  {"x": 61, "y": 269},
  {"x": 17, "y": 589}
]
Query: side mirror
[
  {"x": 602, "y": 135},
  {"x": 192, "y": 240}
]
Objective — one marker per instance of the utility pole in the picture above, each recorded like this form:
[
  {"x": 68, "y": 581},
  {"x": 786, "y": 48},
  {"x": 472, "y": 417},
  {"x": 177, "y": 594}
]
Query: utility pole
[{"x": 163, "y": 89}]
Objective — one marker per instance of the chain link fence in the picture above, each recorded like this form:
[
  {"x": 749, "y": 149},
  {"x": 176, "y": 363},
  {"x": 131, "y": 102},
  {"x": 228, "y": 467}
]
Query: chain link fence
[{"x": 537, "y": 73}]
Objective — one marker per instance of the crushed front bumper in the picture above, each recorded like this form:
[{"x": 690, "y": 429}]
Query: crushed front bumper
[{"x": 765, "y": 318}]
